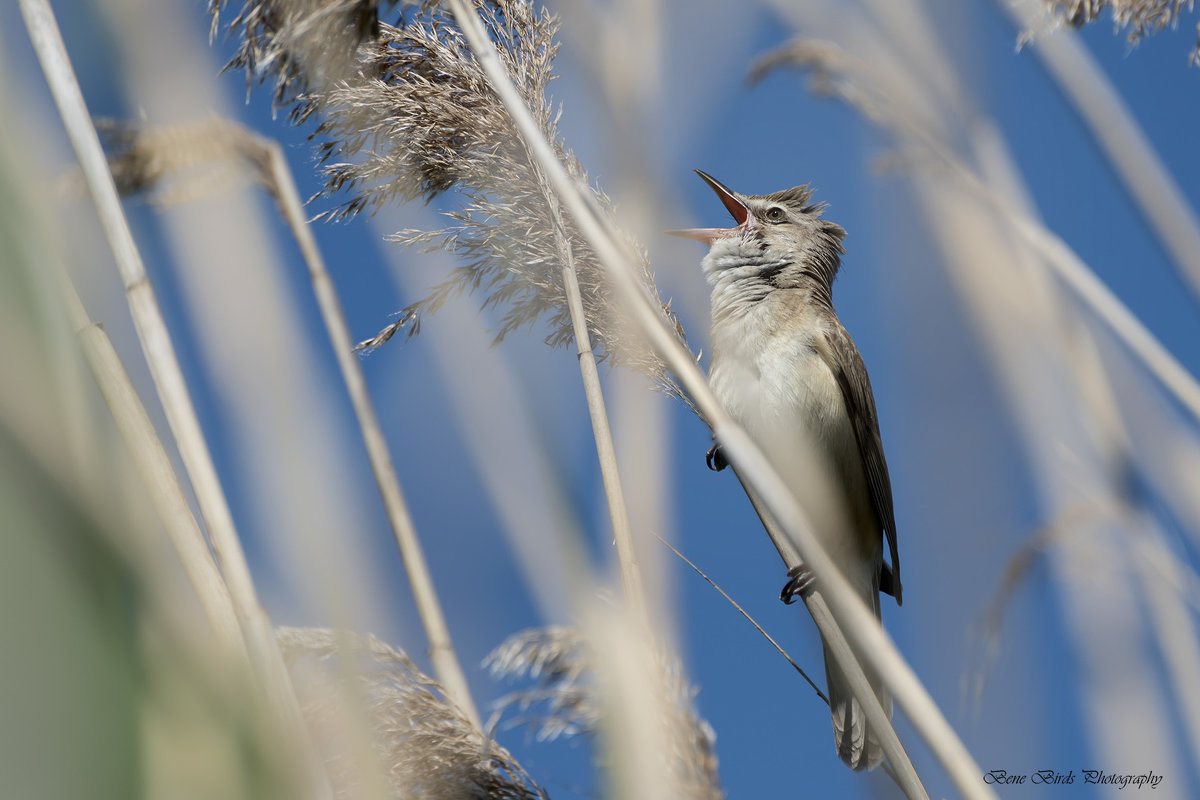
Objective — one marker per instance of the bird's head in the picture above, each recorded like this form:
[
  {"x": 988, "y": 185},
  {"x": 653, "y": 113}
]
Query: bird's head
[{"x": 779, "y": 238}]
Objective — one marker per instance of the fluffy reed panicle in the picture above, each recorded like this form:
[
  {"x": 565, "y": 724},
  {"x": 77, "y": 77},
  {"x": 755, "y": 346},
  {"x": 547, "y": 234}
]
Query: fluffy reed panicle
[
  {"x": 408, "y": 114},
  {"x": 300, "y": 43},
  {"x": 428, "y": 749},
  {"x": 1139, "y": 17},
  {"x": 564, "y": 702},
  {"x": 555, "y": 659}
]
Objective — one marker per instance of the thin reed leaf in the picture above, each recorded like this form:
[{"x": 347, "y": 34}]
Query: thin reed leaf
[{"x": 746, "y": 614}]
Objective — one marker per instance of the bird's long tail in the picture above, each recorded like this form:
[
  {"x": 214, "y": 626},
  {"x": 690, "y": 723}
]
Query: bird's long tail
[{"x": 857, "y": 744}]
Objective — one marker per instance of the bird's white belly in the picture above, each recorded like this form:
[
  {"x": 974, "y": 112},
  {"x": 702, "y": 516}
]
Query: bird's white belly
[{"x": 785, "y": 396}]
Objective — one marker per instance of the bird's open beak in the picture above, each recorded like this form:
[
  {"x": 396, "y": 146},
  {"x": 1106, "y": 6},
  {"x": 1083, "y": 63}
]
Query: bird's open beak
[{"x": 733, "y": 205}]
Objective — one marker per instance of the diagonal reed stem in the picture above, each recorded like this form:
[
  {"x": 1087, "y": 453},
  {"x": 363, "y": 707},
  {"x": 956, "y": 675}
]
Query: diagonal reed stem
[
  {"x": 1117, "y": 132},
  {"x": 903, "y": 772},
  {"x": 631, "y": 579},
  {"x": 441, "y": 649},
  {"x": 1076, "y": 274},
  {"x": 864, "y": 632},
  {"x": 156, "y": 472},
  {"x": 168, "y": 380}
]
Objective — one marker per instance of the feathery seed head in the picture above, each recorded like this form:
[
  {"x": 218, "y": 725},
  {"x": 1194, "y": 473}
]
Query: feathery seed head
[
  {"x": 405, "y": 112},
  {"x": 1141, "y": 17},
  {"x": 428, "y": 749},
  {"x": 558, "y": 659}
]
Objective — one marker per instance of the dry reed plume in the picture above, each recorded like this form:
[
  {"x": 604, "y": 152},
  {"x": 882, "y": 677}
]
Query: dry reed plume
[
  {"x": 429, "y": 749},
  {"x": 556, "y": 658},
  {"x": 1140, "y": 17},
  {"x": 408, "y": 114}
]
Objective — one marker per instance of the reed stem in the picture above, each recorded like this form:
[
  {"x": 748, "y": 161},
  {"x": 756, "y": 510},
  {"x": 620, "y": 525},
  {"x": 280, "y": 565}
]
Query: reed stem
[
  {"x": 441, "y": 649},
  {"x": 156, "y": 472},
  {"x": 631, "y": 579}
]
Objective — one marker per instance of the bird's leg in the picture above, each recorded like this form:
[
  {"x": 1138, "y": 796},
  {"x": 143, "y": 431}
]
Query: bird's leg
[
  {"x": 800, "y": 583},
  {"x": 715, "y": 458}
]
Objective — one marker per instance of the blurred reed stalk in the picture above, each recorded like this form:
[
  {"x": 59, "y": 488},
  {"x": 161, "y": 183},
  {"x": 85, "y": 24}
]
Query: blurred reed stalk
[
  {"x": 899, "y": 765},
  {"x": 525, "y": 487},
  {"x": 871, "y": 643},
  {"x": 622, "y": 47},
  {"x": 631, "y": 575},
  {"x": 156, "y": 472},
  {"x": 168, "y": 378},
  {"x": 441, "y": 649},
  {"x": 1115, "y": 130}
]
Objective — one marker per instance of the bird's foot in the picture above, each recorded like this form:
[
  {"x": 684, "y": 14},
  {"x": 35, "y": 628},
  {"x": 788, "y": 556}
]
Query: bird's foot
[
  {"x": 715, "y": 458},
  {"x": 800, "y": 582}
]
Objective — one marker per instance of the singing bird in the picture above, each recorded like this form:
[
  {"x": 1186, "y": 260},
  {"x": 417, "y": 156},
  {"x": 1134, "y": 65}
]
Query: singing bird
[{"x": 788, "y": 372}]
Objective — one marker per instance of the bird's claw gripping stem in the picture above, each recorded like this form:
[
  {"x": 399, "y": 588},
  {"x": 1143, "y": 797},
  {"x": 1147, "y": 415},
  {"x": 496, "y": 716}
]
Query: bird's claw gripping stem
[
  {"x": 800, "y": 583},
  {"x": 715, "y": 458}
]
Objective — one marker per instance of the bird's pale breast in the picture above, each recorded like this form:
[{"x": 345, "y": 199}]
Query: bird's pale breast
[{"x": 774, "y": 383}]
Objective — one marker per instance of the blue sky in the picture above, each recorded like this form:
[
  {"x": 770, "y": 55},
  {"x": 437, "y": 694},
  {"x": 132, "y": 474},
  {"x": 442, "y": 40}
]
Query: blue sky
[{"x": 965, "y": 497}]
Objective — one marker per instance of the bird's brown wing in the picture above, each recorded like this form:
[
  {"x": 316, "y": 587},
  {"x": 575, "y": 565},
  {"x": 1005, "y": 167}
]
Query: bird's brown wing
[{"x": 843, "y": 359}]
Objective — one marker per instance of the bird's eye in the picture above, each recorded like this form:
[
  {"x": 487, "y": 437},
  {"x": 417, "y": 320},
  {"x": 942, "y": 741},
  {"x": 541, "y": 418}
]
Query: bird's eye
[{"x": 776, "y": 214}]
